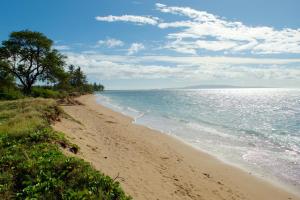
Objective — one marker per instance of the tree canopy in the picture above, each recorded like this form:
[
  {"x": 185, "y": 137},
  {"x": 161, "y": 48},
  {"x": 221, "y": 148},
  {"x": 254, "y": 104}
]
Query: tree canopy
[
  {"x": 6, "y": 80},
  {"x": 28, "y": 60},
  {"x": 29, "y": 57},
  {"x": 77, "y": 77}
]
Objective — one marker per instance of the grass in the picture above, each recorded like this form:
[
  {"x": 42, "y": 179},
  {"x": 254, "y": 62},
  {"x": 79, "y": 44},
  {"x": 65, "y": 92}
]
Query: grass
[
  {"x": 47, "y": 93},
  {"x": 10, "y": 93},
  {"x": 32, "y": 166}
]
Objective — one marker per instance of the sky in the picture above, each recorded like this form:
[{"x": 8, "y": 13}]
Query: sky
[{"x": 135, "y": 44}]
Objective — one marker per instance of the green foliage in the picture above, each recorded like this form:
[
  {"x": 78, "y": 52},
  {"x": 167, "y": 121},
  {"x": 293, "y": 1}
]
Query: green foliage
[
  {"x": 47, "y": 93},
  {"x": 77, "y": 78},
  {"x": 26, "y": 115},
  {"x": 75, "y": 82},
  {"x": 85, "y": 89},
  {"x": 8, "y": 89},
  {"x": 31, "y": 163},
  {"x": 28, "y": 57},
  {"x": 6, "y": 79},
  {"x": 36, "y": 60},
  {"x": 98, "y": 87},
  {"x": 10, "y": 93}
]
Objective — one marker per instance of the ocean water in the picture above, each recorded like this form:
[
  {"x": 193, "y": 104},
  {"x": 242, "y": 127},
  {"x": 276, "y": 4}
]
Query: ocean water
[{"x": 256, "y": 129}]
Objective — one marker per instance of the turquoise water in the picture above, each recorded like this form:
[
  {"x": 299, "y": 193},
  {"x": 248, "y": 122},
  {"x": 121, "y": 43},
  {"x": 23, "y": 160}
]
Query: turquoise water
[{"x": 256, "y": 129}]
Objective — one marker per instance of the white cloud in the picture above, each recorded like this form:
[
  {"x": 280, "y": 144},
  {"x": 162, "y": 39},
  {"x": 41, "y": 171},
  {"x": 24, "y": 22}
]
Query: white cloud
[
  {"x": 110, "y": 43},
  {"x": 109, "y": 69},
  {"x": 135, "y": 47},
  {"x": 215, "y": 45},
  {"x": 130, "y": 18},
  {"x": 61, "y": 47},
  {"x": 186, "y": 68},
  {"x": 212, "y": 33},
  {"x": 181, "y": 47},
  {"x": 205, "y": 31},
  {"x": 200, "y": 16}
]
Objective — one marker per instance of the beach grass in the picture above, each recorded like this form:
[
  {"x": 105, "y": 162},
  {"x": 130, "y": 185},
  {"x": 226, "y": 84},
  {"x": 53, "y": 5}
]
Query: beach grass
[{"x": 32, "y": 164}]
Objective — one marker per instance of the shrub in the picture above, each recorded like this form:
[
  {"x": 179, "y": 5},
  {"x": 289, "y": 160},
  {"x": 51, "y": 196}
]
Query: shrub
[
  {"x": 45, "y": 93},
  {"x": 10, "y": 93},
  {"x": 31, "y": 163}
]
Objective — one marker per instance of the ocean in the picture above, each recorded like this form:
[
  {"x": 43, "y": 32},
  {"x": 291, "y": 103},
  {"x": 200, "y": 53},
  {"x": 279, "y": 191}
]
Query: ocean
[{"x": 257, "y": 129}]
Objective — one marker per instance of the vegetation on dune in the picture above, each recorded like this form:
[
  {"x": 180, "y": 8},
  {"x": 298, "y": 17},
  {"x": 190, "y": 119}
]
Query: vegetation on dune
[{"x": 32, "y": 165}]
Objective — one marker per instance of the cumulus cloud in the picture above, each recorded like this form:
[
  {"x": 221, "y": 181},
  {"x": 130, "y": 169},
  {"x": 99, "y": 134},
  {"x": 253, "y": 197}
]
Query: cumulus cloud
[
  {"x": 110, "y": 43},
  {"x": 200, "y": 30},
  {"x": 110, "y": 67},
  {"x": 130, "y": 18},
  {"x": 135, "y": 47},
  {"x": 185, "y": 68},
  {"x": 212, "y": 33}
]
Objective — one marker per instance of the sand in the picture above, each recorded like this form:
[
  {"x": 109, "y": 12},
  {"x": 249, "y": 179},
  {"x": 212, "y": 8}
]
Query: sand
[{"x": 152, "y": 165}]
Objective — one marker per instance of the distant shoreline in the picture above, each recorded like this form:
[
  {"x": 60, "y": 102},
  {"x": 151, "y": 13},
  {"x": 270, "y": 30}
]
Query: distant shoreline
[{"x": 154, "y": 165}]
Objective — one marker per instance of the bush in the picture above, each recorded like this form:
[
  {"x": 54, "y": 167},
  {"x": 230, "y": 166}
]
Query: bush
[
  {"x": 33, "y": 167},
  {"x": 10, "y": 93},
  {"x": 31, "y": 163},
  {"x": 46, "y": 93}
]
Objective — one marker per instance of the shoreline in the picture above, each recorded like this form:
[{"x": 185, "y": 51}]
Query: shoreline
[
  {"x": 271, "y": 179},
  {"x": 260, "y": 176},
  {"x": 175, "y": 169}
]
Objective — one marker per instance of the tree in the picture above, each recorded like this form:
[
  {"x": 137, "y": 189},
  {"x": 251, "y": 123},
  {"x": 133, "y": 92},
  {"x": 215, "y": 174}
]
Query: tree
[
  {"x": 28, "y": 56},
  {"x": 77, "y": 77},
  {"x": 6, "y": 80},
  {"x": 98, "y": 87}
]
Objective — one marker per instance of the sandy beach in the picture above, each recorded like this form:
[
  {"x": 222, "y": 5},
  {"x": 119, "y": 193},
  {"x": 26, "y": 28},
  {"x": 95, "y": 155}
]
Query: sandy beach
[{"x": 152, "y": 165}]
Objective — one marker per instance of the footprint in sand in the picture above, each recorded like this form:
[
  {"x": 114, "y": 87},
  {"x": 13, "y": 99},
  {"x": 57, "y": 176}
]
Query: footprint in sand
[
  {"x": 110, "y": 122},
  {"x": 207, "y": 175}
]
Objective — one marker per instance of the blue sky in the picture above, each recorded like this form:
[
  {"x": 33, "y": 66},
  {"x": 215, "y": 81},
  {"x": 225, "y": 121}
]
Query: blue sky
[{"x": 155, "y": 44}]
